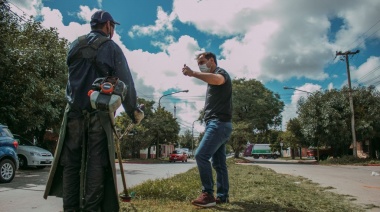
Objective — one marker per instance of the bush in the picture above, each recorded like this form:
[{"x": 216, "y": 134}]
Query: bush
[{"x": 350, "y": 159}]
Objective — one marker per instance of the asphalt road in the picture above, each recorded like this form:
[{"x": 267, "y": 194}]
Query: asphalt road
[
  {"x": 356, "y": 181},
  {"x": 24, "y": 193}
]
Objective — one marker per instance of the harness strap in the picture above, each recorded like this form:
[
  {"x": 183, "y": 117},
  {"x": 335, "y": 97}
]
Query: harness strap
[{"x": 87, "y": 50}]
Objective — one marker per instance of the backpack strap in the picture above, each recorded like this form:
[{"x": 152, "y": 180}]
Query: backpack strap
[{"x": 88, "y": 50}]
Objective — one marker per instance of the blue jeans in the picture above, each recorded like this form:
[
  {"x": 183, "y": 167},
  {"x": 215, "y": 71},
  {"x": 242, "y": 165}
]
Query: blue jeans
[{"x": 213, "y": 146}]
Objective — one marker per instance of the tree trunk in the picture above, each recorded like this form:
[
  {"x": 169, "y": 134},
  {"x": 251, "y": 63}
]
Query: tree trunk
[
  {"x": 292, "y": 152},
  {"x": 236, "y": 155},
  {"x": 149, "y": 152}
]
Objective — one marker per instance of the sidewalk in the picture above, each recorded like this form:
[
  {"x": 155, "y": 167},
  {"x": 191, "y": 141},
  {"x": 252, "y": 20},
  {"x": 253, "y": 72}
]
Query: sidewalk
[{"x": 357, "y": 182}]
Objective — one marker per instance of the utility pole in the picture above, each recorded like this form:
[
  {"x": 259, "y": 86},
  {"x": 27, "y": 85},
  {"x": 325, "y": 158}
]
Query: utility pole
[{"x": 354, "y": 144}]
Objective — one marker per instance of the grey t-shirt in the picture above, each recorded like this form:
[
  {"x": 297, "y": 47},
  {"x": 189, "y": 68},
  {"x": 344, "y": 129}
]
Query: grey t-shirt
[{"x": 219, "y": 99}]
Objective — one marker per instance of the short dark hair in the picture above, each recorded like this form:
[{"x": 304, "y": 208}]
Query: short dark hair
[
  {"x": 207, "y": 55},
  {"x": 98, "y": 26}
]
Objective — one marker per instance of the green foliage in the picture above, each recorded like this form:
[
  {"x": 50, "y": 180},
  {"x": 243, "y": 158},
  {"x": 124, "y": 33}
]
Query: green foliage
[
  {"x": 293, "y": 136},
  {"x": 255, "y": 111},
  {"x": 33, "y": 75},
  {"x": 367, "y": 116},
  {"x": 325, "y": 118},
  {"x": 255, "y": 104},
  {"x": 240, "y": 135},
  {"x": 186, "y": 140},
  {"x": 158, "y": 127}
]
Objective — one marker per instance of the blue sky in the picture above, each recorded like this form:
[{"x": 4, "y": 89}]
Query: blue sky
[{"x": 280, "y": 43}]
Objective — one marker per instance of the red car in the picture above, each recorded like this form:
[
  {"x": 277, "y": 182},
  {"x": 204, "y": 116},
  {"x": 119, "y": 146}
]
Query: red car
[
  {"x": 324, "y": 153},
  {"x": 178, "y": 155}
]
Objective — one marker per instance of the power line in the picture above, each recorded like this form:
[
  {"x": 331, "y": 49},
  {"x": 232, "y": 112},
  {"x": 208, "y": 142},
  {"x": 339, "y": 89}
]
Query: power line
[
  {"x": 371, "y": 80},
  {"x": 357, "y": 39},
  {"x": 362, "y": 35},
  {"x": 6, "y": 4}
]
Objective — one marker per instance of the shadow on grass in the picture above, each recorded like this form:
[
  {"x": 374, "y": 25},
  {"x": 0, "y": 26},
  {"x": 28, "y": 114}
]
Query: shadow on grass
[
  {"x": 251, "y": 206},
  {"x": 301, "y": 162},
  {"x": 235, "y": 206},
  {"x": 130, "y": 172}
]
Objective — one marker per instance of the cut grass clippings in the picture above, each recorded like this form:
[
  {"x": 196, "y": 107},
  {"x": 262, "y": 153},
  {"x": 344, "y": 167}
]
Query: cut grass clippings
[
  {"x": 252, "y": 188},
  {"x": 351, "y": 160}
]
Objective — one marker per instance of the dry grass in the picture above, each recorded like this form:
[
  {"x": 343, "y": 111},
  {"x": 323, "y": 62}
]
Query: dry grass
[{"x": 252, "y": 188}]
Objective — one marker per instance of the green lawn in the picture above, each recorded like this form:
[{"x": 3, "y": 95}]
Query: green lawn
[{"x": 252, "y": 188}]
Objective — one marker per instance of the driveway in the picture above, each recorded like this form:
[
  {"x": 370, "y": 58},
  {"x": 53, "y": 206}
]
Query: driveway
[
  {"x": 360, "y": 182},
  {"x": 24, "y": 193}
]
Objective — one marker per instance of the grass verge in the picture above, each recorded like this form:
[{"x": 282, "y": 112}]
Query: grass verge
[
  {"x": 252, "y": 188},
  {"x": 351, "y": 160}
]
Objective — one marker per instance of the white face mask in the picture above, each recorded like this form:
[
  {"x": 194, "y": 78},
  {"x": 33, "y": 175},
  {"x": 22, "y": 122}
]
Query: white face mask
[{"x": 203, "y": 68}]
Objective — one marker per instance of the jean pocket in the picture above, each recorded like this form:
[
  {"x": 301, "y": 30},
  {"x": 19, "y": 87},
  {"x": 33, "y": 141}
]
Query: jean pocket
[{"x": 227, "y": 130}]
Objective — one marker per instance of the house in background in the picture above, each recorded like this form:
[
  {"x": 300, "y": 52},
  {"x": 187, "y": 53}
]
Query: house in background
[{"x": 166, "y": 149}]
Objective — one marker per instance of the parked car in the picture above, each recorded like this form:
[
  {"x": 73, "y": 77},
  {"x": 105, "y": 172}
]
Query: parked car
[
  {"x": 178, "y": 155},
  {"x": 8, "y": 155},
  {"x": 187, "y": 151},
  {"x": 31, "y": 155}
]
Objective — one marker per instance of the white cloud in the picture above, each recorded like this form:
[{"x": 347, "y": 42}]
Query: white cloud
[
  {"x": 162, "y": 24},
  {"x": 26, "y": 8},
  {"x": 53, "y": 18},
  {"x": 85, "y": 13},
  {"x": 368, "y": 73},
  {"x": 266, "y": 40},
  {"x": 222, "y": 18},
  {"x": 300, "y": 37},
  {"x": 330, "y": 86},
  {"x": 356, "y": 25}
]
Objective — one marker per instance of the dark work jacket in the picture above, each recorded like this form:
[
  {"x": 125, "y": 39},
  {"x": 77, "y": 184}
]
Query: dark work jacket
[
  {"x": 82, "y": 74},
  {"x": 54, "y": 185},
  {"x": 110, "y": 60}
]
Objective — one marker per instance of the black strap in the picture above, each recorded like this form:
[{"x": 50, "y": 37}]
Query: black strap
[{"x": 88, "y": 50}]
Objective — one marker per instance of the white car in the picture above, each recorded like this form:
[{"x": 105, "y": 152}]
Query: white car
[
  {"x": 31, "y": 155},
  {"x": 187, "y": 151}
]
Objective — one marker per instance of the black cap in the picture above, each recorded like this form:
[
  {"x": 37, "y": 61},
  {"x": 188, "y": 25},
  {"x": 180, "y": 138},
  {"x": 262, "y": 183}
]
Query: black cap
[{"x": 101, "y": 16}]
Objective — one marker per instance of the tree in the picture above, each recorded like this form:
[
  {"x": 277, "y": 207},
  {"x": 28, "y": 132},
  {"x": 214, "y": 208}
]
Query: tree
[
  {"x": 288, "y": 139},
  {"x": 295, "y": 136},
  {"x": 256, "y": 105},
  {"x": 33, "y": 74},
  {"x": 239, "y": 137},
  {"x": 186, "y": 139},
  {"x": 367, "y": 117},
  {"x": 255, "y": 111},
  {"x": 158, "y": 127},
  {"x": 325, "y": 118}
]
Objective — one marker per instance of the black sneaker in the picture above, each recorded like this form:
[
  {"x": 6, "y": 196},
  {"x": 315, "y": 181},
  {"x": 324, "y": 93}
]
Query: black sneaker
[
  {"x": 204, "y": 200},
  {"x": 218, "y": 200}
]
